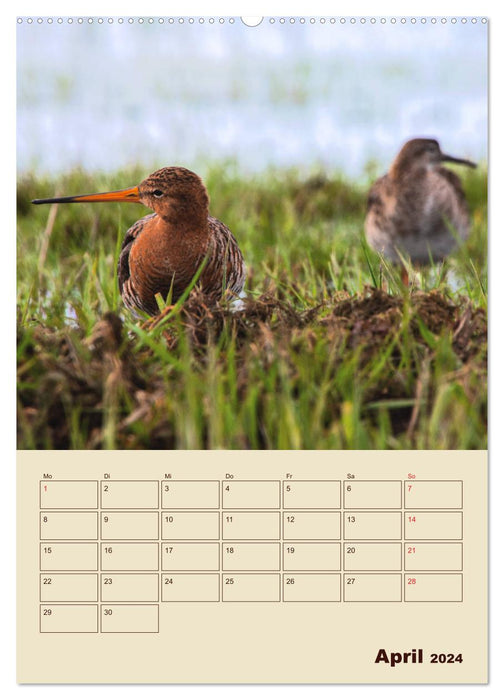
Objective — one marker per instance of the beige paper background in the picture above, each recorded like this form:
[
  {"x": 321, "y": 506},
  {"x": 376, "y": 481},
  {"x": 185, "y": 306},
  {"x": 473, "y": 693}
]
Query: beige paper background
[{"x": 311, "y": 642}]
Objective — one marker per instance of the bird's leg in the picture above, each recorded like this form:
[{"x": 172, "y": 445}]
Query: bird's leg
[
  {"x": 382, "y": 284},
  {"x": 151, "y": 323}
]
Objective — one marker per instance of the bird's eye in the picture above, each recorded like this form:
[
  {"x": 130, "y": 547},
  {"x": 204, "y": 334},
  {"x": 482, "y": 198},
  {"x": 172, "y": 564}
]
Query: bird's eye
[{"x": 157, "y": 193}]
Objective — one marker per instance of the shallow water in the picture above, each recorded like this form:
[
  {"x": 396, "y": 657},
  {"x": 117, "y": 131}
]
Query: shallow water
[{"x": 333, "y": 96}]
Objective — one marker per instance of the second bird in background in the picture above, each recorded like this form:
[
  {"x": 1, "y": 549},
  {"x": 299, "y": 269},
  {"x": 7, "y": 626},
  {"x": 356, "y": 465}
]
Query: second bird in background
[{"x": 418, "y": 209}]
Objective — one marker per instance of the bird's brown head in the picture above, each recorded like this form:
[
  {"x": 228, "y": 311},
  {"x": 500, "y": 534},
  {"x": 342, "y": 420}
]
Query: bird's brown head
[
  {"x": 174, "y": 193},
  {"x": 418, "y": 154}
]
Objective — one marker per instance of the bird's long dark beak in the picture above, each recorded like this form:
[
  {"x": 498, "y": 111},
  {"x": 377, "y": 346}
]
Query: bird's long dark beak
[
  {"x": 460, "y": 161},
  {"x": 130, "y": 194}
]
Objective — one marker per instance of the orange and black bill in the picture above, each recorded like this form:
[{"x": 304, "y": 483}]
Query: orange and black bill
[
  {"x": 130, "y": 194},
  {"x": 460, "y": 161}
]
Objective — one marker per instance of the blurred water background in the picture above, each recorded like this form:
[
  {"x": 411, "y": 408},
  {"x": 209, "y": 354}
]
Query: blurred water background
[{"x": 331, "y": 96}]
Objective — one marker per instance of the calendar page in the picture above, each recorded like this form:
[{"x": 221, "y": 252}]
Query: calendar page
[{"x": 252, "y": 350}]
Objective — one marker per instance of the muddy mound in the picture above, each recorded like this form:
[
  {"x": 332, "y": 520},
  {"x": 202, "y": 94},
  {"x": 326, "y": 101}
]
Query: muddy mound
[{"x": 374, "y": 351}]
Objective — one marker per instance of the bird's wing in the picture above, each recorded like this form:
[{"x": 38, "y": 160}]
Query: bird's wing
[
  {"x": 123, "y": 270},
  {"x": 226, "y": 267}
]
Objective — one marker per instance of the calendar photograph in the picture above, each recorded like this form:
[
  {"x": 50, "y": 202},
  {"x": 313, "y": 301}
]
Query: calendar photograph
[
  {"x": 252, "y": 279},
  {"x": 252, "y": 233}
]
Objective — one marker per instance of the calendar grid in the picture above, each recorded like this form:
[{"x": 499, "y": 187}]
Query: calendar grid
[{"x": 112, "y": 552}]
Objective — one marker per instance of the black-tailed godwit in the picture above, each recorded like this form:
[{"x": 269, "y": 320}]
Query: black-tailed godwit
[{"x": 163, "y": 251}]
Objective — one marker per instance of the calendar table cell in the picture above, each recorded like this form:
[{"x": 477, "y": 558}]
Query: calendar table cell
[
  {"x": 312, "y": 494},
  {"x": 312, "y": 556},
  {"x": 129, "y": 526},
  {"x": 130, "y": 556},
  {"x": 316, "y": 588},
  {"x": 130, "y": 618},
  {"x": 178, "y": 525},
  {"x": 375, "y": 556},
  {"x": 190, "y": 556},
  {"x": 372, "y": 526},
  {"x": 69, "y": 556},
  {"x": 432, "y": 526},
  {"x": 249, "y": 556},
  {"x": 130, "y": 494},
  {"x": 433, "y": 494},
  {"x": 142, "y": 588},
  {"x": 376, "y": 588},
  {"x": 68, "y": 526},
  {"x": 441, "y": 556},
  {"x": 433, "y": 588},
  {"x": 372, "y": 494},
  {"x": 68, "y": 494},
  {"x": 68, "y": 618},
  {"x": 189, "y": 494},
  {"x": 250, "y": 526},
  {"x": 251, "y": 588},
  {"x": 251, "y": 494},
  {"x": 74, "y": 588},
  {"x": 316, "y": 525},
  {"x": 190, "y": 588}
]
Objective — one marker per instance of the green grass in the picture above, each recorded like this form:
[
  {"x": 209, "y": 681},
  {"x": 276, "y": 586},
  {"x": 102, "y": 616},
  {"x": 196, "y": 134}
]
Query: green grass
[{"x": 320, "y": 358}]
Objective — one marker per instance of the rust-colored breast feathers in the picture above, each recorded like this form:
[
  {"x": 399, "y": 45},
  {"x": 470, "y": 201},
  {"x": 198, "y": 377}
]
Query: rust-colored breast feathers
[{"x": 155, "y": 259}]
